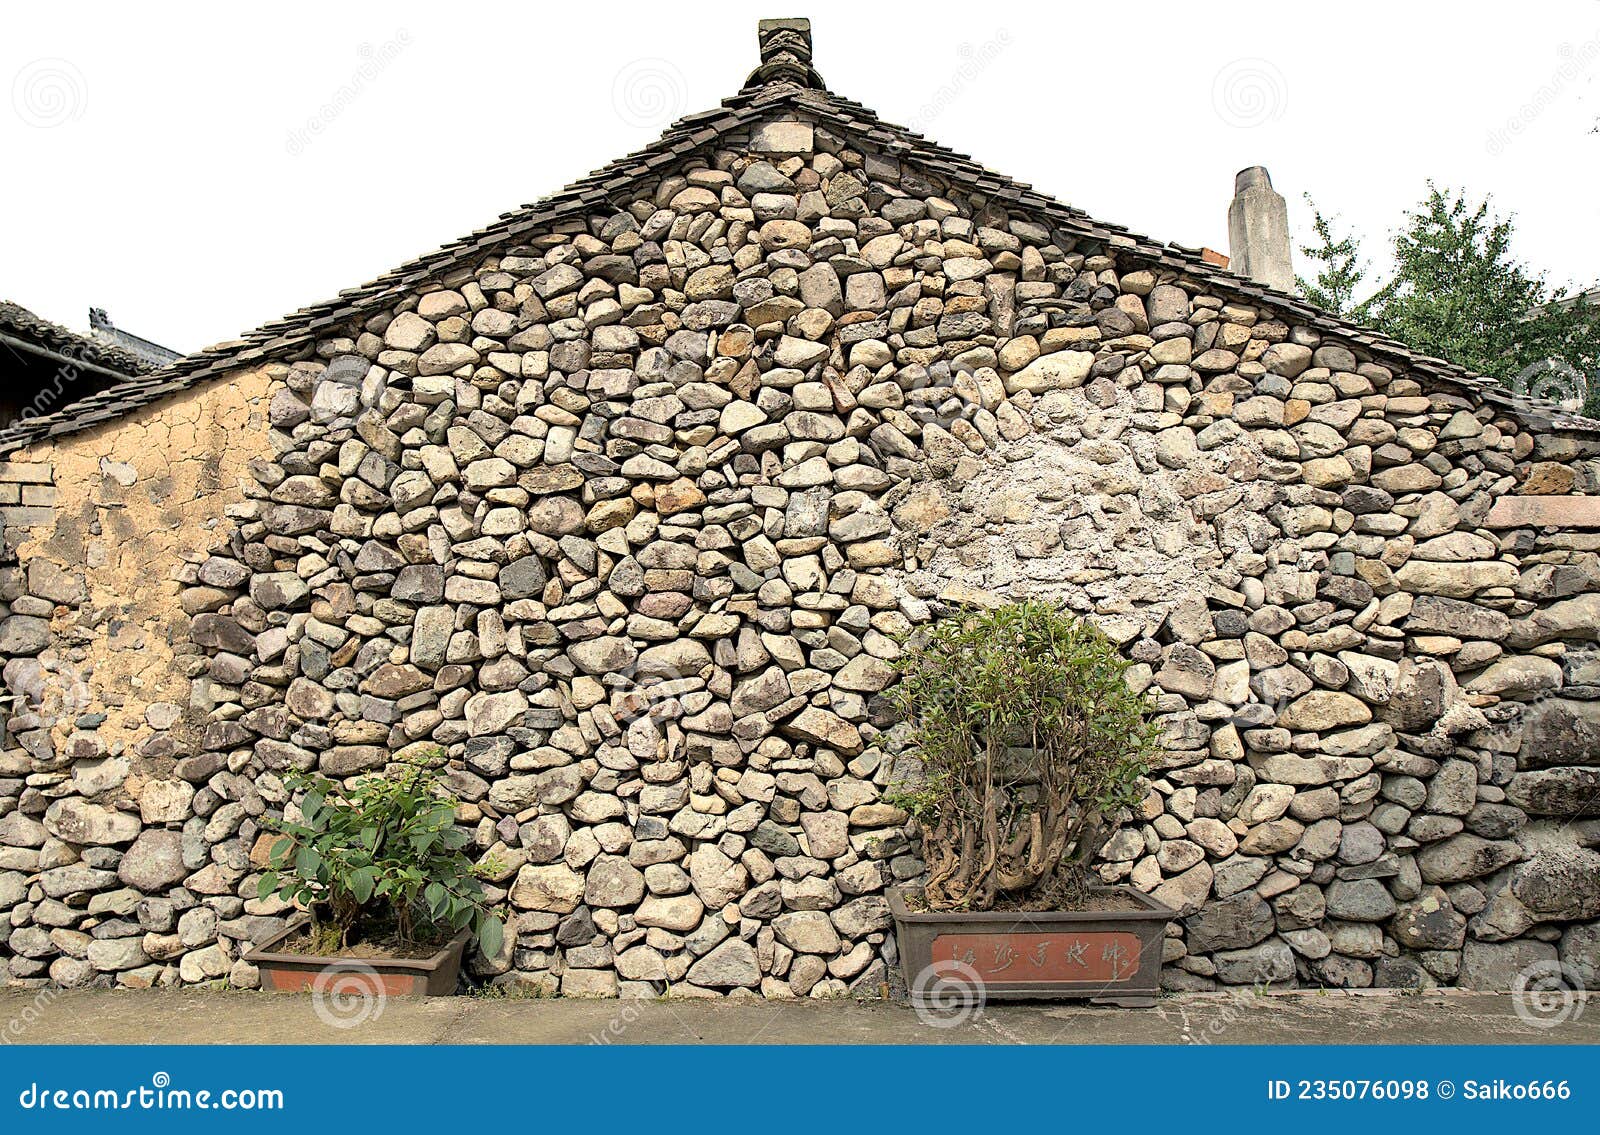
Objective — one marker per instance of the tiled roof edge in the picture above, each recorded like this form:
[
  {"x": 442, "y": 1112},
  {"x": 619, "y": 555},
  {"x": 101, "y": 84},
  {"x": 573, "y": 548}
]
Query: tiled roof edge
[{"x": 694, "y": 132}]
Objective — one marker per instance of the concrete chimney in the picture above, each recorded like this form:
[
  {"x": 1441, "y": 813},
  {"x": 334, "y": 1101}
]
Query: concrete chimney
[{"x": 1258, "y": 230}]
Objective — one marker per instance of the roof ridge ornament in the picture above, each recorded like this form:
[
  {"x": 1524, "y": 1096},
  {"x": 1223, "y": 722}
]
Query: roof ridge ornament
[{"x": 785, "y": 55}]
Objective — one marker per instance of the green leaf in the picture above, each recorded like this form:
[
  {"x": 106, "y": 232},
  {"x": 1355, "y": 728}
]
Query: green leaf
[
  {"x": 308, "y": 862},
  {"x": 491, "y": 935},
  {"x": 281, "y": 849}
]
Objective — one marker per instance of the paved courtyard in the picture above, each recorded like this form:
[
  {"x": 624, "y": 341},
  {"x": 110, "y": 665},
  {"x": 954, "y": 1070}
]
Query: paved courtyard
[{"x": 190, "y": 1017}]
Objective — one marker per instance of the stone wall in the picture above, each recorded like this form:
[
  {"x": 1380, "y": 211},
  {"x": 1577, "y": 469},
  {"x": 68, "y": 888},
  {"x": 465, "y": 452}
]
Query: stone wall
[
  {"x": 109, "y": 688},
  {"x": 629, "y": 519}
]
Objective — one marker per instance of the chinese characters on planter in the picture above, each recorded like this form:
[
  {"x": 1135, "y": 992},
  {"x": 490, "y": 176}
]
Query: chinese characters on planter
[{"x": 1104, "y": 957}]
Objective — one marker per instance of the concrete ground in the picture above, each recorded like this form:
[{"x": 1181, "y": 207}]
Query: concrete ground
[{"x": 35, "y": 1016}]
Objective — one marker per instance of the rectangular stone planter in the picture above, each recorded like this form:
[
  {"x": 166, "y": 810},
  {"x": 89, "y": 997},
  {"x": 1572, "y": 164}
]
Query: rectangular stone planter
[
  {"x": 1108, "y": 957},
  {"x": 435, "y": 976}
]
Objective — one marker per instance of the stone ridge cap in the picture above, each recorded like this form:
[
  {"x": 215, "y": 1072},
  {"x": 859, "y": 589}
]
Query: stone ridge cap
[{"x": 693, "y": 133}]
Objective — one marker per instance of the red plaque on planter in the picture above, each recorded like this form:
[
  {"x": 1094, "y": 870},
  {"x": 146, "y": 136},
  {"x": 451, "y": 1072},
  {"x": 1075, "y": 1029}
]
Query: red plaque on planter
[
  {"x": 1098, "y": 956},
  {"x": 1109, "y": 956}
]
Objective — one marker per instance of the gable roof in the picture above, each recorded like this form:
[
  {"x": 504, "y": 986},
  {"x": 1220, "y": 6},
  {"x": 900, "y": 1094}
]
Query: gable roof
[
  {"x": 18, "y": 322},
  {"x": 784, "y": 83}
]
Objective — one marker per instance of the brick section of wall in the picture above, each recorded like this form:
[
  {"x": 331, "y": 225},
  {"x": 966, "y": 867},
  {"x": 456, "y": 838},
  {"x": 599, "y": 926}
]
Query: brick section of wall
[{"x": 27, "y": 500}]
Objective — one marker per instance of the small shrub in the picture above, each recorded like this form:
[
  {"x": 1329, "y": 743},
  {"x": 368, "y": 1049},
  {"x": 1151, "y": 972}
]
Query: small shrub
[
  {"x": 1031, "y": 741},
  {"x": 383, "y": 857}
]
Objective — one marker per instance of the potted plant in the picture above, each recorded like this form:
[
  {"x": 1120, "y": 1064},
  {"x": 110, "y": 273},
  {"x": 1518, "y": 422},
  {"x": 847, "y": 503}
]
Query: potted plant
[
  {"x": 382, "y": 871},
  {"x": 1030, "y": 743}
]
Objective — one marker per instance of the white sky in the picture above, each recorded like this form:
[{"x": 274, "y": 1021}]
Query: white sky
[{"x": 157, "y": 159}]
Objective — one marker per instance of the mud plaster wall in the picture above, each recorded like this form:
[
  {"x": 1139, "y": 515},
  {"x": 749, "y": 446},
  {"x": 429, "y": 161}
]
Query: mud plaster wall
[{"x": 136, "y": 502}]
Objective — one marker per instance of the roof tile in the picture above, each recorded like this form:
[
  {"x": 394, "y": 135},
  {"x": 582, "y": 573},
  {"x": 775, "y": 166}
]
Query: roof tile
[{"x": 695, "y": 132}]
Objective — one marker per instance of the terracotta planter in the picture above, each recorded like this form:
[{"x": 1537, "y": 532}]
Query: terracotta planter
[
  {"x": 1108, "y": 957},
  {"x": 393, "y": 977}
]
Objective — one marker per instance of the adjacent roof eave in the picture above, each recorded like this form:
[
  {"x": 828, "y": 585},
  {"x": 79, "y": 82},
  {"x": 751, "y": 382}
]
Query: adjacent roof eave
[
  {"x": 614, "y": 184},
  {"x": 82, "y": 350}
]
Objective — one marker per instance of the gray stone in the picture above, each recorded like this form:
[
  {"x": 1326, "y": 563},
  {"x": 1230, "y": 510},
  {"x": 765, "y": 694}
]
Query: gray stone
[
  {"x": 1557, "y": 792},
  {"x": 1269, "y": 964},
  {"x": 1562, "y": 883},
  {"x": 1560, "y": 731},
  {"x": 613, "y": 882},
  {"x": 1465, "y": 857},
  {"x": 154, "y": 861},
  {"x": 1230, "y": 923},
  {"x": 1359, "y": 900},
  {"x": 807, "y": 932},
  {"x": 556, "y": 888},
  {"x": 77, "y": 821},
  {"x": 730, "y": 965},
  {"x": 1496, "y": 965},
  {"x": 1430, "y": 922}
]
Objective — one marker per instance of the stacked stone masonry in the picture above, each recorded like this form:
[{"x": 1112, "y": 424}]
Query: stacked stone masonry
[{"x": 627, "y": 520}]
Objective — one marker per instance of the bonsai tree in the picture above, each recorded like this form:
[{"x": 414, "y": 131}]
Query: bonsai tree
[
  {"x": 1030, "y": 740},
  {"x": 382, "y": 858}
]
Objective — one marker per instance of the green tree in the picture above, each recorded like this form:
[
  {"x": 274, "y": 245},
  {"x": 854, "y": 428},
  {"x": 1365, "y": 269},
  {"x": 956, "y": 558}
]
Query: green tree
[
  {"x": 1342, "y": 270},
  {"x": 1459, "y": 292}
]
